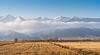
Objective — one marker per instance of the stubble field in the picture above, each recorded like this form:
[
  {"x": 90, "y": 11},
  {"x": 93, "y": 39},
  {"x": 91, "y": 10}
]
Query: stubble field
[{"x": 50, "y": 48}]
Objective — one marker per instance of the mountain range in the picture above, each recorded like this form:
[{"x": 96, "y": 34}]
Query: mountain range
[
  {"x": 42, "y": 19},
  {"x": 10, "y": 35},
  {"x": 52, "y": 34},
  {"x": 9, "y": 18},
  {"x": 70, "y": 32},
  {"x": 61, "y": 33},
  {"x": 83, "y": 19}
]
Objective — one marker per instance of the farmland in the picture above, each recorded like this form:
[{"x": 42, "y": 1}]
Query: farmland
[{"x": 50, "y": 48}]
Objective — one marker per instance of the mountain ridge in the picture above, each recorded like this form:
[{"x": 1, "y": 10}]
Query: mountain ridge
[
  {"x": 9, "y": 18},
  {"x": 10, "y": 35},
  {"x": 70, "y": 32}
]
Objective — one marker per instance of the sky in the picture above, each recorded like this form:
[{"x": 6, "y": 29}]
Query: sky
[{"x": 50, "y": 8}]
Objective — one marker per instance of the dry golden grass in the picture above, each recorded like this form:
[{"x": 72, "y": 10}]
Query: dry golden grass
[
  {"x": 50, "y": 48},
  {"x": 6, "y": 43},
  {"x": 93, "y": 47}
]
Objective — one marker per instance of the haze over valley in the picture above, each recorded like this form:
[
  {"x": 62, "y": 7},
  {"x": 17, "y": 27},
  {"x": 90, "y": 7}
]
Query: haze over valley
[{"x": 49, "y": 28}]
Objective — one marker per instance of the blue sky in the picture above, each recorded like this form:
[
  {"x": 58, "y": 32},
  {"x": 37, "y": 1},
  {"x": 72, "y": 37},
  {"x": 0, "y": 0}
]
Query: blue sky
[{"x": 50, "y": 8}]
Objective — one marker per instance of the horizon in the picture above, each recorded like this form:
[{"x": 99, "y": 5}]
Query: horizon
[
  {"x": 50, "y": 8},
  {"x": 48, "y": 17}
]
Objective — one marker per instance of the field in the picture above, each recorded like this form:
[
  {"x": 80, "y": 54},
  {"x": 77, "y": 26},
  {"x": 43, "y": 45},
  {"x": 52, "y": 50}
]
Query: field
[{"x": 50, "y": 48}]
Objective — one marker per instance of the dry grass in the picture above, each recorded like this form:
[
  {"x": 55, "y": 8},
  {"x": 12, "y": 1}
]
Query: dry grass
[
  {"x": 6, "y": 43},
  {"x": 51, "y": 48},
  {"x": 93, "y": 47}
]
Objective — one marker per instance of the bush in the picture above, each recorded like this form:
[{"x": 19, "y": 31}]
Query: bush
[{"x": 15, "y": 39}]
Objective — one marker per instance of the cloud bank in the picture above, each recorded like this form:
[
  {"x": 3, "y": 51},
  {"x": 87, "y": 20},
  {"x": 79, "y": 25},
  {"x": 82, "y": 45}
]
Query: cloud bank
[{"x": 33, "y": 25}]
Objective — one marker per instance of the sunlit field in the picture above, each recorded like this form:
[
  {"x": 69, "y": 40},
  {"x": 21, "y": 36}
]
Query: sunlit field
[
  {"x": 6, "y": 43},
  {"x": 50, "y": 48}
]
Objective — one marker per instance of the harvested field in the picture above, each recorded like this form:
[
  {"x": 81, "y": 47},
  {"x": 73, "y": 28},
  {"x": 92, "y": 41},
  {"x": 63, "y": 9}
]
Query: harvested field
[{"x": 51, "y": 48}]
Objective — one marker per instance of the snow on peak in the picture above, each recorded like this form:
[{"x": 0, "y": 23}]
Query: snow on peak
[
  {"x": 19, "y": 19},
  {"x": 8, "y": 17},
  {"x": 43, "y": 17},
  {"x": 73, "y": 17},
  {"x": 59, "y": 17},
  {"x": 76, "y": 17}
]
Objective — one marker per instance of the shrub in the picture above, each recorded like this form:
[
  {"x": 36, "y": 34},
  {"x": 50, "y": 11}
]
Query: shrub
[{"x": 15, "y": 40}]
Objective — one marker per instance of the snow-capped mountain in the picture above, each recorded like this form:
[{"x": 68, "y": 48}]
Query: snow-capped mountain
[
  {"x": 74, "y": 17},
  {"x": 19, "y": 19},
  {"x": 7, "y": 18},
  {"x": 61, "y": 19},
  {"x": 42, "y": 19},
  {"x": 10, "y": 18},
  {"x": 81, "y": 19}
]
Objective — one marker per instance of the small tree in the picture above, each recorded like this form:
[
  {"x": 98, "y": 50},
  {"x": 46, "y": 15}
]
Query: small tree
[{"x": 15, "y": 39}]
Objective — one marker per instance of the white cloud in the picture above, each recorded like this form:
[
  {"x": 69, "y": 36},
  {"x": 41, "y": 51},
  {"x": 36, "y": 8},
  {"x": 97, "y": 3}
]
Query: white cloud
[{"x": 27, "y": 26}]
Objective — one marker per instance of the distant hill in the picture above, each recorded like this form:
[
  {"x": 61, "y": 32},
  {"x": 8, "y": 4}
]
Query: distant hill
[
  {"x": 54, "y": 34},
  {"x": 10, "y": 35},
  {"x": 73, "y": 19},
  {"x": 71, "y": 32}
]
